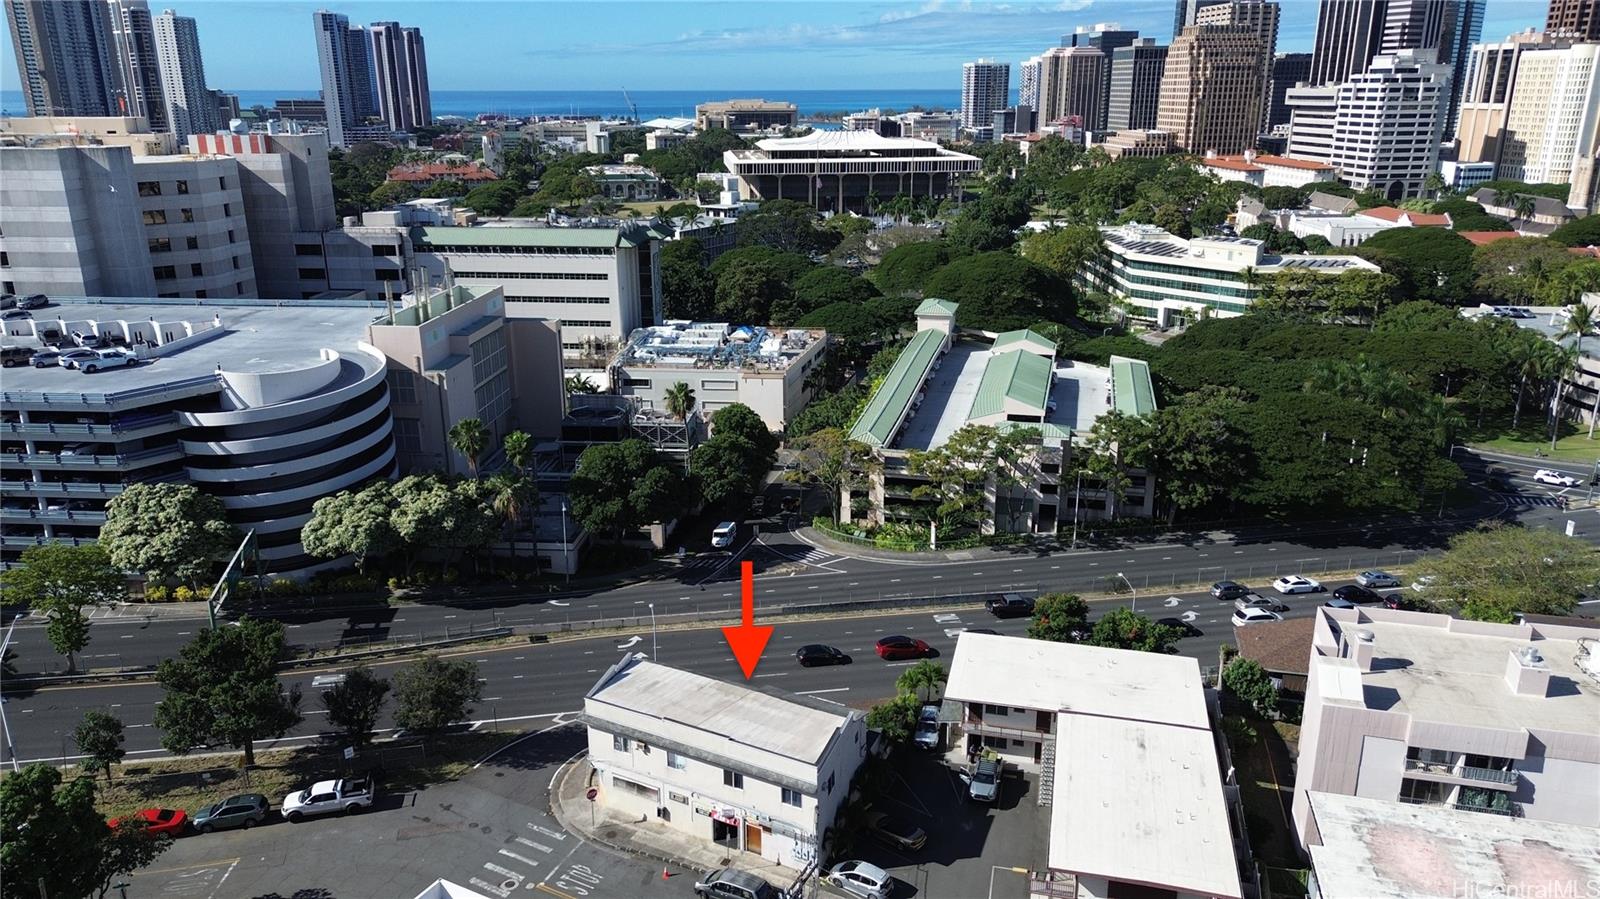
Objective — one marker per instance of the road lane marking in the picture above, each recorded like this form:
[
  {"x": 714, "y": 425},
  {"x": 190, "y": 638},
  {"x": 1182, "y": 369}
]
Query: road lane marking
[
  {"x": 482, "y": 884},
  {"x": 531, "y": 844},
  {"x": 775, "y": 674},
  {"x": 521, "y": 858},
  {"x": 815, "y": 692}
]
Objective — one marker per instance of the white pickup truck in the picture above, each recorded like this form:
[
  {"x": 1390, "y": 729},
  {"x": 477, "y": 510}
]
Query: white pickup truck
[{"x": 327, "y": 797}]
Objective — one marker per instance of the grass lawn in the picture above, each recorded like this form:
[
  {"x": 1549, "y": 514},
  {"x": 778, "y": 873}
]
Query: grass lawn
[
  {"x": 193, "y": 783},
  {"x": 651, "y": 207},
  {"x": 1574, "y": 444}
]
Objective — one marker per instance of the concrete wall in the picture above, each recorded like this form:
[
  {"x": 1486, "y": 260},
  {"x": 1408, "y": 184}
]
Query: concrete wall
[
  {"x": 1564, "y": 790},
  {"x": 65, "y": 230},
  {"x": 1382, "y": 767},
  {"x": 211, "y": 211}
]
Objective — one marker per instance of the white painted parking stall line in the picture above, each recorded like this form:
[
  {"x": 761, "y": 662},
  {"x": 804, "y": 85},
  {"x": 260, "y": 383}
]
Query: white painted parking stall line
[{"x": 521, "y": 858}]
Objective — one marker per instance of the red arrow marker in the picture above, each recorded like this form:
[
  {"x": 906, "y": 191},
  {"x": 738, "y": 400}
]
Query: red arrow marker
[{"x": 748, "y": 640}]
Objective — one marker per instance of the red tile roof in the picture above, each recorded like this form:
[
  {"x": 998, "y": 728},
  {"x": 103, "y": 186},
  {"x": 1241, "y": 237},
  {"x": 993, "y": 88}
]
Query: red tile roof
[
  {"x": 1281, "y": 647},
  {"x": 438, "y": 171},
  {"x": 1232, "y": 163},
  {"x": 1585, "y": 251},
  {"x": 1417, "y": 219},
  {"x": 1290, "y": 162},
  {"x": 1480, "y": 238}
]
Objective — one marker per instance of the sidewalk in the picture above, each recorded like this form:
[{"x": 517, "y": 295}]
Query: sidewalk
[{"x": 646, "y": 837}]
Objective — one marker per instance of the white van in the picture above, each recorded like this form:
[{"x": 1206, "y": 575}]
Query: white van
[{"x": 722, "y": 537}]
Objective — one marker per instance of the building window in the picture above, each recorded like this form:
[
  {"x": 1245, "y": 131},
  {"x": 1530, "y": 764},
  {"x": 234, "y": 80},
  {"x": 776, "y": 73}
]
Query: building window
[
  {"x": 408, "y": 435},
  {"x": 385, "y": 250},
  {"x": 236, "y": 263},
  {"x": 995, "y": 709},
  {"x": 621, "y": 743},
  {"x": 165, "y": 272},
  {"x": 791, "y": 797},
  {"x": 222, "y": 182},
  {"x": 227, "y": 209},
  {"x": 160, "y": 245},
  {"x": 231, "y": 238},
  {"x": 196, "y": 270},
  {"x": 494, "y": 397},
  {"x": 828, "y": 788},
  {"x": 308, "y": 249},
  {"x": 385, "y": 274},
  {"x": 199, "y": 294},
  {"x": 732, "y": 779},
  {"x": 637, "y": 789},
  {"x": 312, "y": 274},
  {"x": 636, "y": 383},
  {"x": 238, "y": 289},
  {"x": 191, "y": 242},
  {"x": 155, "y": 216},
  {"x": 5, "y": 258},
  {"x": 402, "y": 386},
  {"x": 676, "y": 761},
  {"x": 187, "y": 215},
  {"x": 183, "y": 187},
  {"x": 149, "y": 188},
  {"x": 719, "y": 385}
]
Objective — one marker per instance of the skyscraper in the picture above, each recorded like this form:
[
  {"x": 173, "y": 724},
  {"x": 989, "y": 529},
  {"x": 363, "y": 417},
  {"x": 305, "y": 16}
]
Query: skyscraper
[
  {"x": 1135, "y": 82},
  {"x": 1446, "y": 28},
  {"x": 1576, "y": 19},
  {"x": 1261, "y": 16},
  {"x": 138, "y": 71},
  {"x": 985, "y": 87},
  {"x": 1028, "y": 80},
  {"x": 363, "y": 78},
  {"x": 344, "y": 58},
  {"x": 191, "y": 108},
  {"x": 1288, "y": 70},
  {"x": 1486, "y": 95},
  {"x": 1554, "y": 118},
  {"x": 401, "y": 69},
  {"x": 1185, "y": 11},
  {"x": 1069, "y": 85},
  {"x": 1106, "y": 37},
  {"x": 66, "y": 61},
  {"x": 1212, "y": 88},
  {"x": 1349, "y": 33}
]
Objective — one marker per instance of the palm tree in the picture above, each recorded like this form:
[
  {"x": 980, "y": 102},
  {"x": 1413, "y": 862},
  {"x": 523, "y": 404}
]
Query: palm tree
[
  {"x": 1581, "y": 323},
  {"x": 1529, "y": 359},
  {"x": 579, "y": 384},
  {"x": 518, "y": 447},
  {"x": 469, "y": 438},
  {"x": 512, "y": 495},
  {"x": 1522, "y": 207},
  {"x": 1433, "y": 184},
  {"x": 922, "y": 679},
  {"x": 1376, "y": 384},
  {"x": 680, "y": 401},
  {"x": 1564, "y": 365}
]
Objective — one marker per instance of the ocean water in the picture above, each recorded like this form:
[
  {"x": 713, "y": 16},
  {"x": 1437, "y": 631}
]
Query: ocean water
[{"x": 652, "y": 104}]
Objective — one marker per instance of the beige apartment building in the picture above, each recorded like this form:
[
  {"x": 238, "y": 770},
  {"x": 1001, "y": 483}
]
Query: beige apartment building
[
  {"x": 1213, "y": 72},
  {"x": 746, "y": 115},
  {"x": 1261, "y": 17},
  {"x": 1486, "y": 97},
  {"x": 1432, "y": 710},
  {"x": 1553, "y": 120}
]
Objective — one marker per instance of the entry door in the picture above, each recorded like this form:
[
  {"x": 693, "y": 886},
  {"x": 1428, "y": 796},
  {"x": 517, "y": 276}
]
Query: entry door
[{"x": 752, "y": 838}]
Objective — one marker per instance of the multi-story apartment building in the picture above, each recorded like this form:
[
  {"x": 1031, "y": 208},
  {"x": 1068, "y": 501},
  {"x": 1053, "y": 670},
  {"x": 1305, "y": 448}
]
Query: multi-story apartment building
[
  {"x": 1403, "y": 92},
  {"x": 721, "y": 762},
  {"x": 764, "y": 369},
  {"x": 344, "y": 57},
  {"x": 747, "y": 115},
  {"x": 985, "y": 87},
  {"x": 138, "y": 70},
  {"x": 1574, "y": 19},
  {"x": 1169, "y": 280},
  {"x": 191, "y": 107},
  {"x": 1553, "y": 118},
  {"x": 400, "y": 64},
  {"x": 1288, "y": 70},
  {"x": 1433, "y": 710},
  {"x": 1261, "y": 17},
  {"x": 1029, "y": 75},
  {"x": 1128, "y": 750},
  {"x": 838, "y": 170},
  {"x": 1352, "y": 33},
  {"x": 1212, "y": 72},
  {"x": 66, "y": 57},
  {"x": 1491, "y": 73},
  {"x": 1071, "y": 82},
  {"x": 1133, "y": 92}
]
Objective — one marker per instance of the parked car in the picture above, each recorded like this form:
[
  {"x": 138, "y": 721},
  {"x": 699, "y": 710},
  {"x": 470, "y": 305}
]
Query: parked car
[
  {"x": 1353, "y": 593},
  {"x": 13, "y": 356},
  {"x": 1243, "y": 617},
  {"x": 862, "y": 879},
  {"x": 983, "y": 781},
  {"x": 14, "y": 314},
  {"x": 1339, "y": 602},
  {"x": 171, "y": 821},
  {"x": 1256, "y": 601},
  {"x": 105, "y": 359},
  {"x": 1009, "y": 605},
  {"x": 1422, "y": 583},
  {"x": 1184, "y": 628},
  {"x": 245, "y": 810},
  {"x": 1226, "y": 590},
  {"x": 1377, "y": 579},
  {"x": 897, "y": 646},
  {"x": 8, "y": 301},
  {"x": 71, "y": 358},
  {"x": 813, "y": 654},
  {"x": 926, "y": 735},
  {"x": 1395, "y": 601},
  {"x": 1556, "y": 478},
  {"x": 326, "y": 797},
  {"x": 723, "y": 535},
  {"x": 36, "y": 301},
  {"x": 896, "y": 833},
  {"x": 727, "y": 883},
  {"x": 45, "y": 358},
  {"x": 1294, "y": 583}
]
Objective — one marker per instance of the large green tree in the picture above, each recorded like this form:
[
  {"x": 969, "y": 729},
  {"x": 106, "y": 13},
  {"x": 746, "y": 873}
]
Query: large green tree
[
  {"x": 687, "y": 286},
  {"x": 167, "y": 531},
  {"x": 1517, "y": 269},
  {"x": 906, "y": 268},
  {"x": 1496, "y": 570},
  {"x": 1430, "y": 263},
  {"x": 788, "y": 226},
  {"x": 739, "y": 420},
  {"x": 618, "y": 487},
  {"x": 829, "y": 459},
  {"x": 222, "y": 689},
  {"x": 819, "y": 287},
  {"x": 493, "y": 199},
  {"x": 54, "y": 843},
  {"x": 1064, "y": 251},
  {"x": 357, "y": 523},
  {"x": 1059, "y": 618},
  {"x": 924, "y": 680},
  {"x": 1125, "y": 629},
  {"x": 434, "y": 693},
  {"x": 354, "y": 704},
  {"x": 1250, "y": 684},
  {"x": 59, "y": 581},
  {"x": 999, "y": 292},
  {"x": 99, "y": 737},
  {"x": 435, "y": 513}
]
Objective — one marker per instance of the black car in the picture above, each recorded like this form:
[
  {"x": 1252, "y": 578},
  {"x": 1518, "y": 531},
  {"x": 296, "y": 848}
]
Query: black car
[
  {"x": 12, "y": 314},
  {"x": 819, "y": 654},
  {"x": 1395, "y": 601},
  {"x": 1356, "y": 594},
  {"x": 1228, "y": 590},
  {"x": 1009, "y": 605},
  {"x": 1184, "y": 628}
]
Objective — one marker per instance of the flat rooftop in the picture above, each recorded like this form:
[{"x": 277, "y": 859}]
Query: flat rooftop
[
  {"x": 260, "y": 336},
  {"x": 716, "y": 345},
  {"x": 1083, "y": 680},
  {"x": 1436, "y": 668},
  {"x": 1372, "y": 849},
  {"x": 1141, "y": 801},
  {"x": 727, "y": 715}
]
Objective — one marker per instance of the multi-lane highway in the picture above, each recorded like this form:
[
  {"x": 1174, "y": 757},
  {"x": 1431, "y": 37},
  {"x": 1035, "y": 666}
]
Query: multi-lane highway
[{"x": 539, "y": 680}]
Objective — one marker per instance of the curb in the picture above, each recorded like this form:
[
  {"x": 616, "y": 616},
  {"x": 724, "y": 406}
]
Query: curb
[{"x": 593, "y": 837}]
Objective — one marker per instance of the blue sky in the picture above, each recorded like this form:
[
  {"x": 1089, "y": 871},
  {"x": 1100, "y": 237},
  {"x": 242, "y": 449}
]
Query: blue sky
[{"x": 603, "y": 44}]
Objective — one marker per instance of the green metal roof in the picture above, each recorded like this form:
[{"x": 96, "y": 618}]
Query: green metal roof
[
  {"x": 1131, "y": 390},
  {"x": 1027, "y": 337},
  {"x": 1020, "y": 377},
  {"x": 936, "y": 306},
  {"x": 444, "y": 236},
  {"x": 888, "y": 405}
]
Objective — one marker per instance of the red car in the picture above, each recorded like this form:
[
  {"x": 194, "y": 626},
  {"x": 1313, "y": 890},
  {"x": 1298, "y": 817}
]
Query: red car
[
  {"x": 898, "y": 647},
  {"x": 171, "y": 821}
]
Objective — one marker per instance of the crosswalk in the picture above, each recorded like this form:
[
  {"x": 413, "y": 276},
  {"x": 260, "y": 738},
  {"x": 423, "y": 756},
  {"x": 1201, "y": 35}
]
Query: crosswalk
[
  {"x": 524, "y": 863},
  {"x": 1532, "y": 500}
]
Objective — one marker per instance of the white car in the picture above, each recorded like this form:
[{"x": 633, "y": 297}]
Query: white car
[
  {"x": 1294, "y": 583},
  {"x": 1422, "y": 583},
  {"x": 862, "y": 879},
  {"x": 1556, "y": 478},
  {"x": 722, "y": 536},
  {"x": 1254, "y": 616}
]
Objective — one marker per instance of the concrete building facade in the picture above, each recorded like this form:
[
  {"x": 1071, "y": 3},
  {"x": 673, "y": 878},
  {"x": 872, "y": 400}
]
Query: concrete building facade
[
  {"x": 400, "y": 68},
  {"x": 985, "y": 87},
  {"x": 1288, "y": 70},
  {"x": 1212, "y": 72},
  {"x": 1134, "y": 87},
  {"x": 838, "y": 170},
  {"x": 1490, "y": 76},
  {"x": 1553, "y": 118},
  {"x": 747, "y": 115},
  {"x": 1575, "y": 19},
  {"x": 344, "y": 59},
  {"x": 1261, "y": 17},
  {"x": 191, "y": 108}
]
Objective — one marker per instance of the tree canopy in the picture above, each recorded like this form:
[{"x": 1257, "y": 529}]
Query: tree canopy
[
  {"x": 167, "y": 531},
  {"x": 51, "y": 836},
  {"x": 222, "y": 690},
  {"x": 998, "y": 291},
  {"x": 1496, "y": 570},
  {"x": 1430, "y": 263},
  {"x": 907, "y": 267},
  {"x": 618, "y": 487}
]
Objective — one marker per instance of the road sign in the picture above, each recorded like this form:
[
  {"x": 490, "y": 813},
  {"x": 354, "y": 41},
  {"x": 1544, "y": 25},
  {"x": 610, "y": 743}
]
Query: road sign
[
  {"x": 593, "y": 794},
  {"x": 349, "y": 753}
]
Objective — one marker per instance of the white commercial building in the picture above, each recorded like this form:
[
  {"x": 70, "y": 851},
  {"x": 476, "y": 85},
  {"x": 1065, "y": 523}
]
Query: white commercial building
[
  {"x": 1553, "y": 119},
  {"x": 1266, "y": 170},
  {"x": 1381, "y": 129},
  {"x": 1139, "y": 803},
  {"x": 839, "y": 170},
  {"x": 723, "y": 762},
  {"x": 1433, "y": 710},
  {"x": 985, "y": 87},
  {"x": 724, "y": 364}
]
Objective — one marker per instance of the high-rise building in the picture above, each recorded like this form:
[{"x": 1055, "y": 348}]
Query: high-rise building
[
  {"x": 401, "y": 69},
  {"x": 1184, "y": 13},
  {"x": 1030, "y": 74},
  {"x": 1135, "y": 86},
  {"x": 191, "y": 108},
  {"x": 343, "y": 56},
  {"x": 66, "y": 58},
  {"x": 1491, "y": 71},
  {"x": 1576, "y": 19},
  {"x": 985, "y": 87},
  {"x": 1554, "y": 118},
  {"x": 1107, "y": 37},
  {"x": 1077, "y": 86},
  {"x": 1288, "y": 70},
  {"x": 1211, "y": 89},
  {"x": 1449, "y": 28},
  {"x": 1406, "y": 92},
  {"x": 138, "y": 71},
  {"x": 1349, "y": 33},
  {"x": 1261, "y": 16}
]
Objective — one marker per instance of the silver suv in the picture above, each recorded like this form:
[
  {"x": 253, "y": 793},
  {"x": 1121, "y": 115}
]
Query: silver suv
[
  {"x": 727, "y": 883},
  {"x": 983, "y": 784}
]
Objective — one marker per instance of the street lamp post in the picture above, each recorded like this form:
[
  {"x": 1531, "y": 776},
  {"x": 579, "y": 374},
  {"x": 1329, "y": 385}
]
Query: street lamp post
[
  {"x": 1134, "y": 606},
  {"x": 1077, "y": 500},
  {"x": 566, "y": 548},
  {"x": 654, "y": 657}
]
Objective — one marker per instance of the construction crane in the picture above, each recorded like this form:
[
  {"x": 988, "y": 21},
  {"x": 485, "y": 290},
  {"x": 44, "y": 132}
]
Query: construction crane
[{"x": 631, "y": 105}]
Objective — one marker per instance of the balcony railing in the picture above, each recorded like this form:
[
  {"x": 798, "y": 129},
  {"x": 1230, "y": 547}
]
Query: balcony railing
[
  {"x": 1509, "y": 809},
  {"x": 1465, "y": 772}
]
